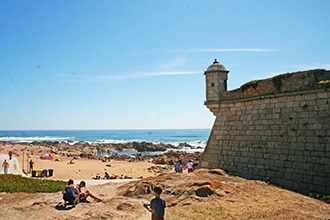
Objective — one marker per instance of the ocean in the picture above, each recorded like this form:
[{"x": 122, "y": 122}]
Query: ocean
[{"x": 193, "y": 137}]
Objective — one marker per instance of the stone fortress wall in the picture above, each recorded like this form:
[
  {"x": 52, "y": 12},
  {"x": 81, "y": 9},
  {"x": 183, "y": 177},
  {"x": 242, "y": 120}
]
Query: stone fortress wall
[{"x": 276, "y": 130}]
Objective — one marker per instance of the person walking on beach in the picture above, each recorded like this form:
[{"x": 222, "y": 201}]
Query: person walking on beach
[
  {"x": 190, "y": 166},
  {"x": 178, "y": 167},
  {"x": 31, "y": 165},
  {"x": 157, "y": 205},
  {"x": 5, "y": 166},
  {"x": 10, "y": 153}
]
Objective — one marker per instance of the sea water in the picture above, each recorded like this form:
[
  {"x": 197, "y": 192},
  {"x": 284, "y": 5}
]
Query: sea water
[{"x": 194, "y": 137}]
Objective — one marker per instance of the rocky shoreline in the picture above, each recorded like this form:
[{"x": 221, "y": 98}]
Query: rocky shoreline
[{"x": 160, "y": 153}]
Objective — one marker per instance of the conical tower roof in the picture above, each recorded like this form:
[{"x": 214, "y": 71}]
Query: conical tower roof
[{"x": 216, "y": 66}]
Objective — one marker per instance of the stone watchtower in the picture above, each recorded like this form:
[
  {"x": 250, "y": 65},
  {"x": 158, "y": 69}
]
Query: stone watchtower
[{"x": 216, "y": 77}]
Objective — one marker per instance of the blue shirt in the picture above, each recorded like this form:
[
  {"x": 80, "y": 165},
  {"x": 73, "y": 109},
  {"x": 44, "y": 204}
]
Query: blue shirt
[{"x": 158, "y": 204}]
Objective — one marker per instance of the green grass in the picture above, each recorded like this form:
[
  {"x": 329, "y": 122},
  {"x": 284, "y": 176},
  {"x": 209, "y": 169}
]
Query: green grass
[{"x": 16, "y": 183}]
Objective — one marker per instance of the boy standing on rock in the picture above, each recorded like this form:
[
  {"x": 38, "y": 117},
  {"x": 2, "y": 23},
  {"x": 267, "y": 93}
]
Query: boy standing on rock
[{"x": 157, "y": 205}]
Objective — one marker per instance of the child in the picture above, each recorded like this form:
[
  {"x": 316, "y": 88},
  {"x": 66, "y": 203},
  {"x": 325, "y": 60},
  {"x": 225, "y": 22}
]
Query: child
[
  {"x": 178, "y": 167},
  {"x": 157, "y": 205},
  {"x": 190, "y": 166}
]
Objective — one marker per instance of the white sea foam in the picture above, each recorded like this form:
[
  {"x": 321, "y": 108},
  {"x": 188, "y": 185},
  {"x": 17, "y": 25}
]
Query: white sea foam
[
  {"x": 34, "y": 139},
  {"x": 194, "y": 144},
  {"x": 113, "y": 141}
]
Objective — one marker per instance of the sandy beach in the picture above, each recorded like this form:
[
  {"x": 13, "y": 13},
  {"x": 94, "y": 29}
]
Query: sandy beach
[
  {"x": 83, "y": 168},
  {"x": 64, "y": 167}
]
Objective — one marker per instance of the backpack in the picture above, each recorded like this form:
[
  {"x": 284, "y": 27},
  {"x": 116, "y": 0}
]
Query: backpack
[{"x": 70, "y": 194}]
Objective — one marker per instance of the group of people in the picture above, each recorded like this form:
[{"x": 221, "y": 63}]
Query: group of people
[
  {"x": 107, "y": 176},
  {"x": 73, "y": 194},
  {"x": 5, "y": 163},
  {"x": 178, "y": 165}
]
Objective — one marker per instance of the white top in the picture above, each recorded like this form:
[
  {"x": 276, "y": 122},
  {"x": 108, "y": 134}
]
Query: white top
[{"x": 190, "y": 165}]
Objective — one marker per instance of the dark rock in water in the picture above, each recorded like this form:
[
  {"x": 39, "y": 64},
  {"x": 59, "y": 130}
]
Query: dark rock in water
[
  {"x": 182, "y": 145},
  {"x": 134, "y": 149},
  {"x": 146, "y": 146}
]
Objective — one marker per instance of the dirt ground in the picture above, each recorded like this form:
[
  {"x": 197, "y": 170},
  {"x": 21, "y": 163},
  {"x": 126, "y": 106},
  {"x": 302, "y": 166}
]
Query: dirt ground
[{"x": 198, "y": 195}]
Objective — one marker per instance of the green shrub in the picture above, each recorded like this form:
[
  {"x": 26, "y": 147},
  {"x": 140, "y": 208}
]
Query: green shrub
[{"x": 16, "y": 183}]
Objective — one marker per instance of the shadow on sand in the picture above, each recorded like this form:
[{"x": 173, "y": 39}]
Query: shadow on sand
[{"x": 62, "y": 207}]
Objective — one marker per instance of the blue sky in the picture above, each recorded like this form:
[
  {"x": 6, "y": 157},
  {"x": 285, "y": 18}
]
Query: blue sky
[{"x": 139, "y": 64}]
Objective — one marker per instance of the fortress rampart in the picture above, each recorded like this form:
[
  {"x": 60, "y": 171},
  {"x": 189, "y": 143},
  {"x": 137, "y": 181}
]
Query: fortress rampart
[{"x": 276, "y": 130}]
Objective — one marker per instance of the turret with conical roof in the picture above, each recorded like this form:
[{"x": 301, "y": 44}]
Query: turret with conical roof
[{"x": 216, "y": 77}]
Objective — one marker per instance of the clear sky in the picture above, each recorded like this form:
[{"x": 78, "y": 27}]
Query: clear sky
[{"x": 130, "y": 64}]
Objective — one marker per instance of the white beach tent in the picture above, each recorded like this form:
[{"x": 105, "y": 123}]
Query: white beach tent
[{"x": 14, "y": 167}]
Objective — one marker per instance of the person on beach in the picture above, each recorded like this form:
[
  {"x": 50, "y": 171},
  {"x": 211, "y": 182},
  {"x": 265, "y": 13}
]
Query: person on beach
[
  {"x": 71, "y": 161},
  {"x": 157, "y": 205},
  {"x": 178, "y": 167},
  {"x": 97, "y": 177},
  {"x": 85, "y": 193},
  {"x": 10, "y": 154},
  {"x": 190, "y": 166},
  {"x": 181, "y": 157},
  {"x": 71, "y": 193},
  {"x": 106, "y": 175},
  {"x": 31, "y": 165},
  {"x": 5, "y": 166}
]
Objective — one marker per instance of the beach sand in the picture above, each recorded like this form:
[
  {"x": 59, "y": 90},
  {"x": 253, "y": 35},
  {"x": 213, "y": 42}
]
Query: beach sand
[{"x": 81, "y": 168}]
